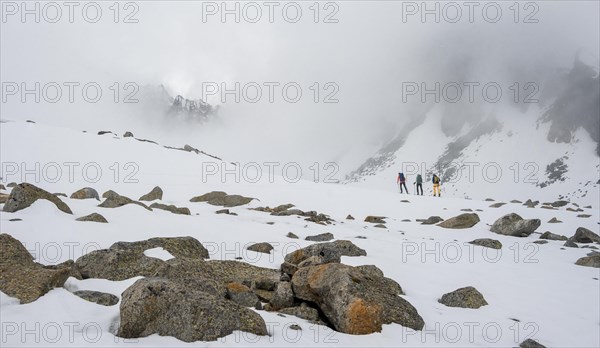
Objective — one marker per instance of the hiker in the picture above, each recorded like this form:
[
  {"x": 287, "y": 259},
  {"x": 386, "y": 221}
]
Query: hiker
[
  {"x": 402, "y": 182},
  {"x": 436, "y": 185},
  {"x": 419, "y": 183}
]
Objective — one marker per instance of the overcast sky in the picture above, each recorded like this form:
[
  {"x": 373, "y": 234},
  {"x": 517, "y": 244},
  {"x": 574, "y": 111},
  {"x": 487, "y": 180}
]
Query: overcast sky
[{"x": 366, "y": 56}]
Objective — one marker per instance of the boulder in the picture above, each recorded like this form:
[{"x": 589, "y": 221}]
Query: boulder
[
  {"x": 303, "y": 312},
  {"x": 349, "y": 217},
  {"x": 214, "y": 195},
  {"x": 222, "y": 211},
  {"x": 114, "y": 200},
  {"x": 514, "y": 225},
  {"x": 21, "y": 277},
  {"x": 241, "y": 294},
  {"x": 292, "y": 235},
  {"x": 156, "y": 193},
  {"x": 93, "y": 217},
  {"x": 160, "y": 306},
  {"x": 551, "y": 236},
  {"x": 570, "y": 243},
  {"x": 24, "y": 195},
  {"x": 375, "y": 219},
  {"x": 128, "y": 134},
  {"x": 323, "y": 237},
  {"x": 283, "y": 296},
  {"x": 583, "y": 235},
  {"x": 487, "y": 242},
  {"x": 431, "y": 220},
  {"x": 554, "y": 221},
  {"x": 173, "y": 209},
  {"x": 85, "y": 193},
  {"x": 589, "y": 261},
  {"x": 355, "y": 302},
  {"x": 109, "y": 194},
  {"x": 329, "y": 252},
  {"x": 497, "y": 205},
  {"x": 124, "y": 260},
  {"x": 466, "y": 220},
  {"x": 467, "y": 297},
  {"x": 261, "y": 247},
  {"x": 98, "y": 297}
]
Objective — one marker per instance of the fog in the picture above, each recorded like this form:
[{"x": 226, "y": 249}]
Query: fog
[{"x": 365, "y": 57}]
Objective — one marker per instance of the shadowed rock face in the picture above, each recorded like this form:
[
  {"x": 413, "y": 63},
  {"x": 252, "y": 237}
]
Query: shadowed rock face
[
  {"x": 577, "y": 105},
  {"x": 21, "y": 277},
  {"x": 355, "y": 300},
  {"x": 24, "y": 195},
  {"x": 156, "y": 305}
]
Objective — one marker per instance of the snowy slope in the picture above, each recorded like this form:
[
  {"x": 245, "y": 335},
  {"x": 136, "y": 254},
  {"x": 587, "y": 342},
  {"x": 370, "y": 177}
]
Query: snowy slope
[
  {"x": 510, "y": 162},
  {"x": 553, "y": 300}
]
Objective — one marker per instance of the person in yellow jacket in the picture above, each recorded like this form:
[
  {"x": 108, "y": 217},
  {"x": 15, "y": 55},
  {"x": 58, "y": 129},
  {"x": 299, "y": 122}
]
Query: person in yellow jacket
[{"x": 436, "y": 185}]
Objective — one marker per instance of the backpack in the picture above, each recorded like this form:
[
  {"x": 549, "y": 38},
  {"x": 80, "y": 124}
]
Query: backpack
[
  {"x": 419, "y": 179},
  {"x": 401, "y": 176},
  {"x": 436, "y": 180}
]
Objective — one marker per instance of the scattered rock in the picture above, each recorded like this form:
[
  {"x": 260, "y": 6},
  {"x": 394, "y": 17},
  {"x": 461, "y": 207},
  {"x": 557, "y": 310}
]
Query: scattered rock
[
  {"x": 127, "y": 135},
  {"x": 323, "y": 237},
  {"x": 497, "y": 205},
  {"x": 98, "y": 297},
  {"x": 467, "y": 210},
  {"x": 292, "y": 235},
  {"x": 466, "y": 220},
  {"x": 105, "y": 132},
  {"x": 514, "y": 225},
  {"x": 114, "y": 200},
  {"x": 589, "y": 261},
  {"x": 173, "y": 209},
  {"x": 375, "y": 219},
  {"x": 516, "y": 201},
  {"x": 214, "y": 195},
  {"x": 380, "y": 226},
  {"x": 222, "y": 211},
  {"x": 15, "y": 219},
  {"x": 489, "y": 200},
  {"x": 432, "y": 220},
  {"x": 93, "y": 217},
  {"x": 467, "y": 297},
  {"x": 24, "y": 195},
  {"x": 21, "y": 277},
  {"x": 329, "y": 252},
  {"x": 487, "y": 242},
  {"x": 551, "y": 236},
  {"x": 540, "y": 241},
  {"x": 531, "y": 204},
  {"x": 559, "y": 204},
  {"x": 583, "y": 215},
  {"x": 530, "y": 343},
  {"x": 349, "y": 217},
  {"x": 261, "y": 248},
  {"x": 583, "y": 235},
  {"x": 156, "y": 193},
  {"x": 355, "y": 301},
  {"x": 154, "y": 305},
  {"x": 85, "y": 193},
  {"x": 570, "y": 243},
  {"x": 554, "y": 221}
]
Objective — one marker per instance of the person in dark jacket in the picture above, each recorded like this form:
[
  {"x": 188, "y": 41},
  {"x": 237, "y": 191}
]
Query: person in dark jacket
[
  {"x": 419, "y": 183},
  {"x": 402, "y": 182}
]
